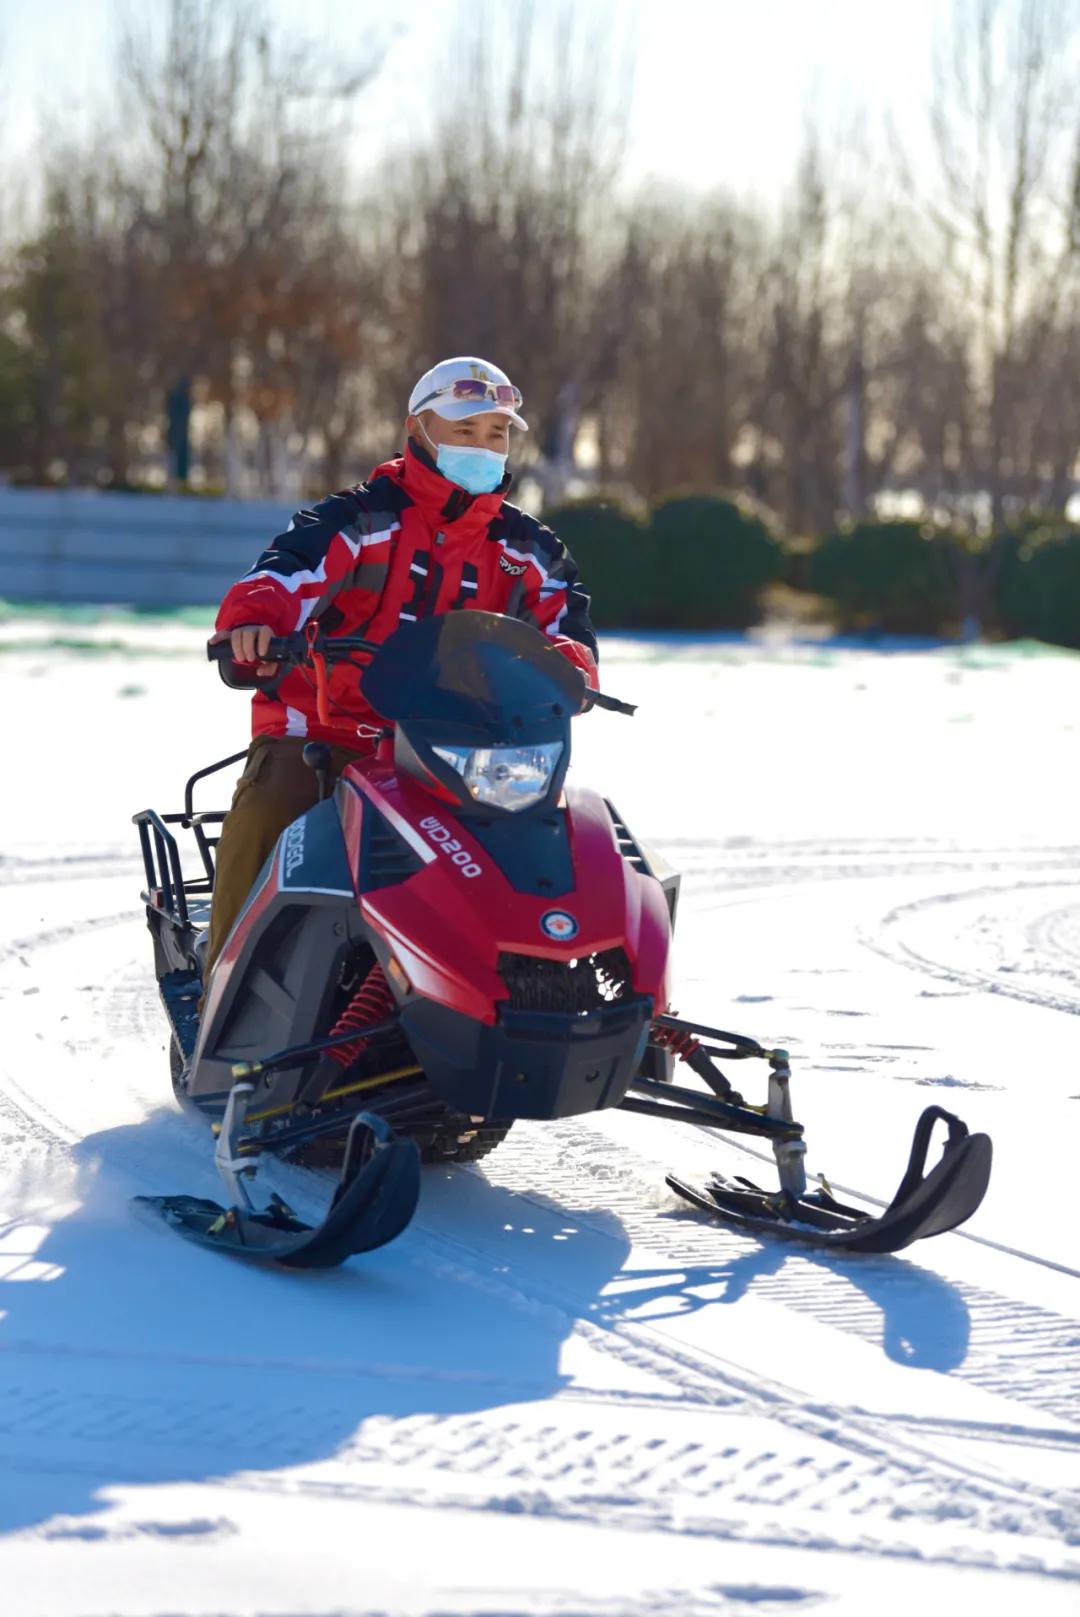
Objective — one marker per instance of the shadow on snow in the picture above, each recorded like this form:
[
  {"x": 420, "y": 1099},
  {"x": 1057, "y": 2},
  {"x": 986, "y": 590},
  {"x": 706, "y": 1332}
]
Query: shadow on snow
[
  {"x": 129, "y": 1356},
  {"x": 144, "y": 1359}
]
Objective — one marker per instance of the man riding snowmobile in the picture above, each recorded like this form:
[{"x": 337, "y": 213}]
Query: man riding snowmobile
[
  {"x": 429, "y": 532},
  {"x": 454, "y": 936}
]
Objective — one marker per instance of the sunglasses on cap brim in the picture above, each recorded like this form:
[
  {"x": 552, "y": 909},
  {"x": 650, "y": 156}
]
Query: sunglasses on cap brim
[{"x": 475, "y": 390}]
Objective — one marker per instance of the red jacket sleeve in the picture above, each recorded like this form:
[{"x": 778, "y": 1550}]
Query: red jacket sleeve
[
  {"x": 552, "y": 596},
  {"x": 324, "y": 550}
]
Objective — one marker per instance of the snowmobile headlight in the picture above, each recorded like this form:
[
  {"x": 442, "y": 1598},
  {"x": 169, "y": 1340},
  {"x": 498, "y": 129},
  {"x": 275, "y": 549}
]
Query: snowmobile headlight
[{"x": 507, "y": 777}]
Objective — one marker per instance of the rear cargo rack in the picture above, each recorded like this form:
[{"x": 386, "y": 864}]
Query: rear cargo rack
[{"x": 167, "y": 887}]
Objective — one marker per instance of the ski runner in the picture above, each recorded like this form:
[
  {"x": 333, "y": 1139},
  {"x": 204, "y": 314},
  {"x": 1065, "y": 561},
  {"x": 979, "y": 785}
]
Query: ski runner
[{"x": 429, "y": 532}]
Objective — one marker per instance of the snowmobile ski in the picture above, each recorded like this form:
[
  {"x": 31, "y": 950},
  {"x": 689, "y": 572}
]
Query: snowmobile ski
[
  {"x": 373, "y": 1202},
  {"x": 924, "y": 1204}
]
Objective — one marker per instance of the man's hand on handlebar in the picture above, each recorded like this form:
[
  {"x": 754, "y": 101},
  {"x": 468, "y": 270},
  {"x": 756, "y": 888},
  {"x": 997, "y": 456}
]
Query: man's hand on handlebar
[{"x": 249, "y": 644}]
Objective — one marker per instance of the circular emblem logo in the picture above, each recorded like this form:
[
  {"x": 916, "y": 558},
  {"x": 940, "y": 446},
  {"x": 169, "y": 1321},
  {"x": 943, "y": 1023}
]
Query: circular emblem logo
[{"x": 560, "y": 925}]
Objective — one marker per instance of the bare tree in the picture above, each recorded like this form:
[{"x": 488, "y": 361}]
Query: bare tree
[
  {"x": 237, "y": 135},
  {"x": 806, "y": 360},
  {"x": 823, "y": 357},
  {"x": 503, "y": 214},
  {"x": 1006, "y": 127},
  {"x": 679, "y": 318}
]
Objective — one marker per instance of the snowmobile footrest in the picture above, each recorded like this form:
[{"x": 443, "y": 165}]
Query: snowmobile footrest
[
  {"x": 373, "y": 1203},
  {"x": 924, "y": 1204}
]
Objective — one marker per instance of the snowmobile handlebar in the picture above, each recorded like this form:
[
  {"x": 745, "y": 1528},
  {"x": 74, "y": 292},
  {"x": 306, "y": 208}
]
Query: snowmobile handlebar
[
  {"x": 315, "y": 650},
  {"x": 610, "y": 704},
  {"x": 298, "y": 648}
]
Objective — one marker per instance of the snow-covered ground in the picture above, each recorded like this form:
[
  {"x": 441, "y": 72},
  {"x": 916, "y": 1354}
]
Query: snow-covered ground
[{"x": 561, "y": 1391}]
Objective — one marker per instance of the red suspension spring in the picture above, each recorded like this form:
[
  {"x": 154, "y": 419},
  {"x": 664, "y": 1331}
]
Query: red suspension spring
[
  {"x": 372, "y": 1002},
  {"x": 675, "y": 1039}
]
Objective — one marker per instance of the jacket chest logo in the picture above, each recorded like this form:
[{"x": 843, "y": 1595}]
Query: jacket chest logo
[{"x": 514, "y": 568}]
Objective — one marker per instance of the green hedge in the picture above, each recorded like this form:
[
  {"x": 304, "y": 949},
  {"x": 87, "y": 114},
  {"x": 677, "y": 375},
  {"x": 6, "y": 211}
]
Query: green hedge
[
  {"x": 1038, "y": 585},
  {"x": 886, "y": 577},
  {"x": 714, "y": 558},
  {"x": 699, "y": 562},
  {"x": 614, "y": 555}
]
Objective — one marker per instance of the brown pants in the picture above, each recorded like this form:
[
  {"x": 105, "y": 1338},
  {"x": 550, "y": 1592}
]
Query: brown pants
[{"x": 274, "y": 789}]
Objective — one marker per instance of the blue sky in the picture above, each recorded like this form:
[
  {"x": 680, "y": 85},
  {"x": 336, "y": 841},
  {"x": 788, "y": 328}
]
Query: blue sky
[{"x": 722, "y": 87}]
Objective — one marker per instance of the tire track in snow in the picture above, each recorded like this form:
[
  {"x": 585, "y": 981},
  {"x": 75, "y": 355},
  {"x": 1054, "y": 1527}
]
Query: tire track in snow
[
  {"x": 1015, "y": 1350},
  {"x": 876, "y": 1480},
  {"x": 750, "y": 865},
  {"x": 64, "y": 932},
  {"x": 898, "y": 1468},
  {"x": 819, "y": 1458},
  {"x": 47, "y": 868},
  {"x": 1059, "y": 933},
  {"x": 568, "y": 1155},
  {"x": 715, "y": 1477},
  {"x": 887, "y": 940}
]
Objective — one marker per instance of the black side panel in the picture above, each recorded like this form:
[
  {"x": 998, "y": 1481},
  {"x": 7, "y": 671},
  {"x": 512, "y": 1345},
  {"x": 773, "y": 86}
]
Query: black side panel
[
  {"x": 385, "y": 858},
  {"x": 279, "y": 993},
  {"x": 282, "y": 986},
  {"x": 312, "y": 853},
  {"x": 532, "y": 851}
]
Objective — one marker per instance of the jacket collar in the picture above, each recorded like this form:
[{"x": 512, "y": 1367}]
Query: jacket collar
[{"x": 442, "y": 503}]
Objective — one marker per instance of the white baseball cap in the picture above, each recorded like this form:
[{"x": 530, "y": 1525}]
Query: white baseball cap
[{"x": 467, "y": 386}]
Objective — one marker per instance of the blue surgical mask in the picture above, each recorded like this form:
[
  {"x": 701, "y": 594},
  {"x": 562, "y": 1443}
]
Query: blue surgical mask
[{"x": 477, "y": 471}]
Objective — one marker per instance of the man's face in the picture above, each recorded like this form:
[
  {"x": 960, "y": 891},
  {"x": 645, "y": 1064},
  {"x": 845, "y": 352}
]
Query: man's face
[{"x": 485, "y": 431}]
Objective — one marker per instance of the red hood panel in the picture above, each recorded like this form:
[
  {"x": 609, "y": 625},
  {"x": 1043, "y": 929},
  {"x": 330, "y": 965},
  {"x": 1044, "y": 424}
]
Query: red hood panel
[{"x": 448, "y": 923}]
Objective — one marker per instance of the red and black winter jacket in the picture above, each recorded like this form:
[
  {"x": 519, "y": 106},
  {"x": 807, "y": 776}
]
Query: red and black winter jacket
[{"x": 404, "y": 545}]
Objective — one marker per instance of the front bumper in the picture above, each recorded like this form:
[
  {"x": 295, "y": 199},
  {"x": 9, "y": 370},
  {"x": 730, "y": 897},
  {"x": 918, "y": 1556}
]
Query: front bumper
[{"x": 539, "y": 1064}]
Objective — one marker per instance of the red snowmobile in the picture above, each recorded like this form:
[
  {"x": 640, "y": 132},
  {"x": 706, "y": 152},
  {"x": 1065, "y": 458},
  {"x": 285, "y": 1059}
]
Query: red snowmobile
[{"x": 452, "y": 939}]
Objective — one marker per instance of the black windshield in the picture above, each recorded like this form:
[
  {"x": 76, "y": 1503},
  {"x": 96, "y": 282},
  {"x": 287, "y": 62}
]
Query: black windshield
[{"x": 475, "y": 674}]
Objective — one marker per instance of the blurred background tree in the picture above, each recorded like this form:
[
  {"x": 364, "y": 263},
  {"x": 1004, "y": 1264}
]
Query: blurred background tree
[{"x": 206, "y": 296}]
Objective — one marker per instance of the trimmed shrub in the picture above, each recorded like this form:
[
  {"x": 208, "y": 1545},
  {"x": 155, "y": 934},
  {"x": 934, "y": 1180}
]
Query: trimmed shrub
[
  {"x": 713, "y": 559},
  {"x": 614, "y": 553},
  {"x": 886, "y": 578},
  {"x": 1038, "y": 585}
]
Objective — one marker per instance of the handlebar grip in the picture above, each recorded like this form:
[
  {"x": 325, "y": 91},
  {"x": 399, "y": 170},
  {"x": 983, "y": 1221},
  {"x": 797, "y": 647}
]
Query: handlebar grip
[
  {"x": 610, "y": 703},
  {"x": 243, "y": 676},
  {"x": 280, "y": 649},
  {"x": 284, "y": 646},
  {"x": 294, "y": 648}
]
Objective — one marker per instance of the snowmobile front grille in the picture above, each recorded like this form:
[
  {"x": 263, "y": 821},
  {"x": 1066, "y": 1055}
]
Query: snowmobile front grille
[{"x": 573, "y": 986}]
